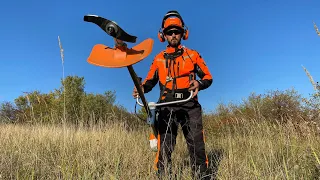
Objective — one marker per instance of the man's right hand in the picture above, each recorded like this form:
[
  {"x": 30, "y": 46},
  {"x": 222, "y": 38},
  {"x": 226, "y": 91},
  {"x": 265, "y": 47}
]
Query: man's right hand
[{"x": 135, "y": 93}]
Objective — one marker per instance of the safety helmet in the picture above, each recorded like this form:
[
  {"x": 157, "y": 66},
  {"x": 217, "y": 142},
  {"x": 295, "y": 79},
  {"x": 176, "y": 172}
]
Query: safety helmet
[
  {"x": 172, "y": 22},
  {"x": 172, "y": 19}
]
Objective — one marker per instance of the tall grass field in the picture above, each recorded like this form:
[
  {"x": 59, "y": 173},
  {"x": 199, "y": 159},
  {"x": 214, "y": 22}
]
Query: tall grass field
[{"x": 238, "y": 149}]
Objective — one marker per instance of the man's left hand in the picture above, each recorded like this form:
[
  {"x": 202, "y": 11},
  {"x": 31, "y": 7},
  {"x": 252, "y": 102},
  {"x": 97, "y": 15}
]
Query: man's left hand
[{"x": 195, "y": 85}]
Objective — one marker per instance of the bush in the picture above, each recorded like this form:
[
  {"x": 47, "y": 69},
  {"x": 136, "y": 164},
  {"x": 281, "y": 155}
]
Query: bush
[
  {"x": 7, "y": 112},
  {"x": 274, "y": 107},
  {"x": 75, "y": 106}
]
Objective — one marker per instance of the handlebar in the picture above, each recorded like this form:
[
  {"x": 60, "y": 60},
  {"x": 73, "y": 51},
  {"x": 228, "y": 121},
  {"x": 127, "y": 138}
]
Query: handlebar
[{"x": 152, "y": 104}]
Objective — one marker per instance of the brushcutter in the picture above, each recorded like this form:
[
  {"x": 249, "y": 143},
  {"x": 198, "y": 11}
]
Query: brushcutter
[{"x": 120, "y": 55}]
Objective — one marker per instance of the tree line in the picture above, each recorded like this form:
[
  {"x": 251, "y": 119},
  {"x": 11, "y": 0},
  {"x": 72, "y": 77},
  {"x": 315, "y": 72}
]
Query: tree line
[{"x": 68, "y": 104}]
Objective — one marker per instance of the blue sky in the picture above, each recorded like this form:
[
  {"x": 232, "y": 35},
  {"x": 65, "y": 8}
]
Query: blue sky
[{"x": 249, "y": 46}]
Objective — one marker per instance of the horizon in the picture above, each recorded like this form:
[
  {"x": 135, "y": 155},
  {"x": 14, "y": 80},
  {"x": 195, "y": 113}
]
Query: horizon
[{"x": 249, "y": 46}]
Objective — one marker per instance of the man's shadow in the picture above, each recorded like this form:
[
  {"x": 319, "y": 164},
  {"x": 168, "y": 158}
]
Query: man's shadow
[{"x": 214, "y": 156}]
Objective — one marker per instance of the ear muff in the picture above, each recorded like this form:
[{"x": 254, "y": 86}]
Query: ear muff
[
  {"x": 185, "y": 34},
  {"x": 161, "y": 36}
]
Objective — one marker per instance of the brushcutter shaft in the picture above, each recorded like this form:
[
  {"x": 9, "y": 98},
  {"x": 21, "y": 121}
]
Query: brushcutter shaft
[
  {"x": 137, "y": 82},
  {"x": 137, "y": 85}
]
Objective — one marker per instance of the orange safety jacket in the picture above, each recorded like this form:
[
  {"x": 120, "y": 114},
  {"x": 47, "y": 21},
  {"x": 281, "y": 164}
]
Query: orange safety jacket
[{"x": 172, "y": 69}]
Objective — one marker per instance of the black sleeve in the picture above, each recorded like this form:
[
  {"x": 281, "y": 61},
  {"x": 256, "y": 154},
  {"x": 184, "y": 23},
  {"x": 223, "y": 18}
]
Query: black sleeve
[
  {"x": 203, "y": 83},
  {"x": 151, "y": 81}
]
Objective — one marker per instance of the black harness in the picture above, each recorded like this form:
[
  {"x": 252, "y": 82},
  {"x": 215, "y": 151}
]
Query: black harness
[{"x": 174, "y": 93}]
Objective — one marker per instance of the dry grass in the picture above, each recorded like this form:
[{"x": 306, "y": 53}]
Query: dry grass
[
  {"x": 264, "y": 151},
  {"x": 50, "y": 153},
  {"x": 253, "y": 151}
]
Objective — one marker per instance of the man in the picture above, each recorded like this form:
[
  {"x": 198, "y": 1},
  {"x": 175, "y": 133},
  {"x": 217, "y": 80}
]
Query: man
[{"x": 173, "y": 68}]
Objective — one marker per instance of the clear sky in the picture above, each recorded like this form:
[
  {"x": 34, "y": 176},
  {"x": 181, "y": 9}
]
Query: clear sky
[{"x": 249, "y": 46}]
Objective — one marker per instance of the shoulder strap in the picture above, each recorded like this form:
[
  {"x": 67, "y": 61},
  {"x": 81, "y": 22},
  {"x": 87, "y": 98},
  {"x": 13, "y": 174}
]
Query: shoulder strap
[{"x": 186, "y": 50}]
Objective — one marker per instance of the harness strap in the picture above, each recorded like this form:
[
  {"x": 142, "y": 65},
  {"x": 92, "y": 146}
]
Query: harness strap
[
  {"x": 181, "y": 93},
  {"x": 174, "y": 94},
  {"x": 178, "y": 94}
]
